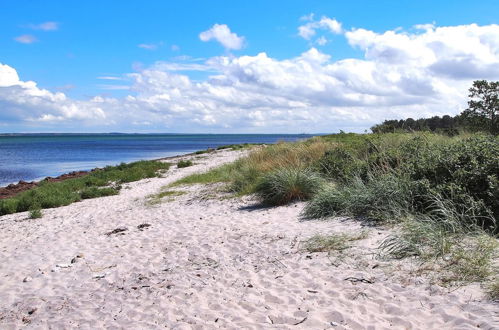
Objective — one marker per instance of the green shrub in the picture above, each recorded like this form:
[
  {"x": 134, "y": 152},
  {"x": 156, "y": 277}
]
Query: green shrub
[
  {"x": 469, "y": 166},
  {"x": 288, "y": 184},
  {"x": 341, "y": 165},
  {"x": 184, "y": 163},
  {"x": 35, "y": 213},
  {"x": 463, "y": 170},
  {"x": 94, "y": 192},
  {"x": 8, "y": 206}
]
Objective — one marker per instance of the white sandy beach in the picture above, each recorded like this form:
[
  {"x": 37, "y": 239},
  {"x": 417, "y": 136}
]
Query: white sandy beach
[{"x": 206, "y": 262}]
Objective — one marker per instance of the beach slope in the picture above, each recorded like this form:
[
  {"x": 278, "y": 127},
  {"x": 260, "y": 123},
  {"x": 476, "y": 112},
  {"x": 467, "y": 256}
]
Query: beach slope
[{"x": 198, "y": 258}]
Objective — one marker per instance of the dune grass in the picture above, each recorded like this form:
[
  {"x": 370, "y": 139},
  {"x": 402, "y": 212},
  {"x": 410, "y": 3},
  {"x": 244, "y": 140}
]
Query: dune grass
[
  {"x": 287, "y": 184},
  {"x": 386, "y": 198},
  {"x": 98, "y": 183},
  {"x": 441, "y": 192},
  {"x": 244, "y": 175}
]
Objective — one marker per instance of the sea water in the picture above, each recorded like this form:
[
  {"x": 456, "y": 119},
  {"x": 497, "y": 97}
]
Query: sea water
[{"x": 35, "y": 156}]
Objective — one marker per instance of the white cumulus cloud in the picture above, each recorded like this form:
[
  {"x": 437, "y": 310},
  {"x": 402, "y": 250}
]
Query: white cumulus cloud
[
  {"x": 222, "y": 34},
  {"x": 308, "y": 30},
  {"x": 403, "y": 74},
  {"x": 24, "y": 101}
]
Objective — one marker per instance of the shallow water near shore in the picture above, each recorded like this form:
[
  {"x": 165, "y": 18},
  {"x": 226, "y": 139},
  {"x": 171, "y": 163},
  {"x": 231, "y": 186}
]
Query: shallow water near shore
[{"x": 35, "y": 156}]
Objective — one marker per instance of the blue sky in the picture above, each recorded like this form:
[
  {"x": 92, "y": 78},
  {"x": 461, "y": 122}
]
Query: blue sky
[{"x": 66, "y": 47}]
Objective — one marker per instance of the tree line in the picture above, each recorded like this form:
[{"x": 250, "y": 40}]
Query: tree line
[{"x": 482, "y": 114}]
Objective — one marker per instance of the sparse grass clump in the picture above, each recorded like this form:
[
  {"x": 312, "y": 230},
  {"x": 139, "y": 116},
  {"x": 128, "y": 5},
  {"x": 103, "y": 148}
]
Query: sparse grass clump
[
  {"x": 332, "y": 242},
  {"x": 35, "y": 213},
  {"x": 288, "y": 184},
  {"x": 159, "y": 197},
  {"x": 102, "y": 182},
  {"x": 493, "y": 290},
  {"x": 460, "y": 250},
  {"x": 184, "y": 163}
]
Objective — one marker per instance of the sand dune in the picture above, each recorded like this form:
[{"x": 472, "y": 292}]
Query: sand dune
[{"x": 197, "y": 262}]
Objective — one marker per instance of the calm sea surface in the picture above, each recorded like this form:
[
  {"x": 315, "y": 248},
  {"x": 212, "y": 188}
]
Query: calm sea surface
[{"x": 32, "y": 157}]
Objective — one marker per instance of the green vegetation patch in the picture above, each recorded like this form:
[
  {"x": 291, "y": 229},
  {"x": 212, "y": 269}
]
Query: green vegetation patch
[
  {"x": 238, "y": 146},
  {"x": 244, "y": 175},
  {"x": 35, "y": 213},
  {"x": 184, "y": 163},
  {"x": 219, "y": 174},
  {"x": 101, "y": 182},
  {"x": 286, "y": 185}
]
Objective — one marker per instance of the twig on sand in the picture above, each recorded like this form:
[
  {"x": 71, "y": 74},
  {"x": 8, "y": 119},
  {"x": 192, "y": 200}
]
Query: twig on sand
[
  {"x": 304, "y": 319},
  {"x": 100, "y": 268},
  {"x": 356, "y": 279},
  {"x": 117, "y": 231}
]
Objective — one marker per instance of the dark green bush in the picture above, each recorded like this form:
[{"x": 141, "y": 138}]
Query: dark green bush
[
  {"x": 341, "y": 165},
  {"x": 8, "y": 206},
  {"x": 463, "y": 171}
]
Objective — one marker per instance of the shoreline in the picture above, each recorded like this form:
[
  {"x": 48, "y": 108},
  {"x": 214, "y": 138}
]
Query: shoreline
[
  {"x": 202, "y": 258},
  {"x": 12, "y": 189}
]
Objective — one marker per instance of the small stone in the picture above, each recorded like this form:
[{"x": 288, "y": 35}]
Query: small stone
[
  {"x": 63, "y": 265},
  {"x": 27, "y": 279}
]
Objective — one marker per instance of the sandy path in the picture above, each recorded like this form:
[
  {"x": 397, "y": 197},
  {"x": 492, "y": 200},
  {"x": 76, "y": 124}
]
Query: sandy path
[{"x": 208, "y": 263}]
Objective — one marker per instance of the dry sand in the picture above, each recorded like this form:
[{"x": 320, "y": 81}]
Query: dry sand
[{"x": 203, "y": 261}]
